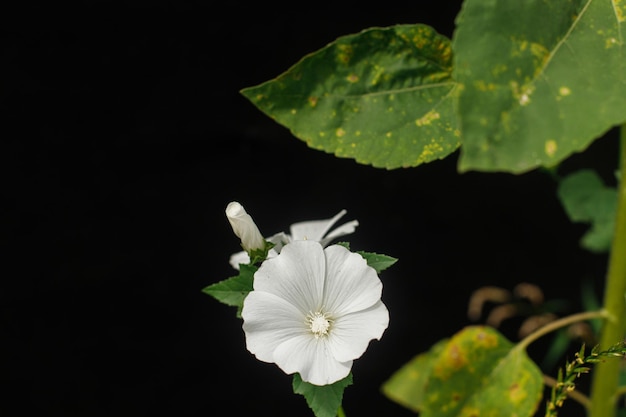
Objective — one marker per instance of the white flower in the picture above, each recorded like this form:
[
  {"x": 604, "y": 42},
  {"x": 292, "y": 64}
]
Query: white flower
[
  {"x": 314, "y": 311},
  {"x": 244, "y": 227},
  {"x": 316, "y": 230}
]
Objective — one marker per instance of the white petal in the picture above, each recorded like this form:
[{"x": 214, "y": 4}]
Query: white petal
[
  {"x": 239, "y": 258},
  {"x": 311, "y": 358},
  {"x": 296, "y": 275},
  {"x": 268, "y": 321},
  {"x": 313, "y": 230},
  {"x": 352, "y": 333},
  {"x": 351, "y": 285},
  {"x": 344, "y": 229},
  {"x": 279, "y": 240}
]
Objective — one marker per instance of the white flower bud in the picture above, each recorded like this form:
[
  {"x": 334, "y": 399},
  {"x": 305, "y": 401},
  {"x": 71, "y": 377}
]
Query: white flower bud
[{"x": 244, "y": 227}]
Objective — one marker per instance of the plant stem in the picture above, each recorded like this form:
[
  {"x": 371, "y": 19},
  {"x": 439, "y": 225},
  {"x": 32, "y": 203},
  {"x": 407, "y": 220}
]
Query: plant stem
[
  {"x": 557, "y": 324},
  {"x": 340, "y": 412},
  {"x": 605, "y": 377}
]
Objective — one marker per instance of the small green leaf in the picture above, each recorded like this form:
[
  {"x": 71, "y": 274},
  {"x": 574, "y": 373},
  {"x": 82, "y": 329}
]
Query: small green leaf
[
  {"x": 586, "y": 199},
  {"x": 324, "y": 400},
  {"x": 383, "y": 96},
  {"x": 232, "y": 291},
  {"x": 406, "y": 386},
  {"x": 539, "y": 79},
  {"x": 377, "y": 261}
]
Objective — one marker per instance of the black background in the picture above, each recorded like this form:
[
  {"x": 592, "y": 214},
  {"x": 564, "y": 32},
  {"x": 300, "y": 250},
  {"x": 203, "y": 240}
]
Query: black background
[{"x": 125, "y": 139}]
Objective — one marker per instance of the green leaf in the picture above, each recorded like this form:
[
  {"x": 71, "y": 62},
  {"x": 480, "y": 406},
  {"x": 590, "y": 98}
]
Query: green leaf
[
  {"x": 539, "y": 79},
  {"x": 480, "y": 372},
  {"x": 323, "y": 400},
  {"x": 232, "y": 291},
  {"x": 406, "y": 386},
  {"x": 377, "y": 261},
  {"x": 586, "y": 199},
  {"x": 476, "y": 372},
  {"x": 383, "y": 97}
]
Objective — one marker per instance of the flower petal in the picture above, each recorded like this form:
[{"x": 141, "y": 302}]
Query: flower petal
[
  {"x": 352, "y": 333},
  {"x": 344, "y": 229},
  {"x": 239, "y": 258},
  {"x": 315, "y": 229},
  {"x": 351, "y": 285},
  {"x": 296, "y": 275},
  {"x": 311, "y": 358},
  {"x": 268, "y": 321}
]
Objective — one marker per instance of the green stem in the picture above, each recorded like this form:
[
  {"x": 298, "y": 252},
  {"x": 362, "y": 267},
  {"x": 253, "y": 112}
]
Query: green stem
[
  {"x": 340, "y": 412},
  {"x": 557, "y": 324},
  {"x": 605, "y": 376}
]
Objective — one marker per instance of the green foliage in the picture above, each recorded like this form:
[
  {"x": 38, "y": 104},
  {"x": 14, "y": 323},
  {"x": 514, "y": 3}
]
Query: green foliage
[
  {"x": 573, "y": 369},
  {"x": 233, "y": 290},
  {"x": 407, "y": 385},
  {"x": 476, "y": 372},
  {"x": 324, "y": 400},
  {"x": 384, "y": 97},
  {"x": 586, "y": 199},
  {"x": 522, "y": 85},
  {"x": 377, "y": 261},
  {"x": 541, "y": 79}
]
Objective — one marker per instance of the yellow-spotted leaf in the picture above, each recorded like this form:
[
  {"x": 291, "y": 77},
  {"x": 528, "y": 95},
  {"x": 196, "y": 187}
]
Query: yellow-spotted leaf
[
  {"x": 477, "y": 372},
  {"x": 539, "y": 79},
  {"x": 481, "y": 373},
  {"x": 406, "y": 385},
  {"x": 384, "y": 97}
]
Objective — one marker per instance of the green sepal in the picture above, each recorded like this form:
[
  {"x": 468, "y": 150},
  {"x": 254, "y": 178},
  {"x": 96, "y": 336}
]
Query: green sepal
[
  {"x": 259, "y": 255},
  {"x": 323, "y": 400},
  {"x": 232, "y": 291}
]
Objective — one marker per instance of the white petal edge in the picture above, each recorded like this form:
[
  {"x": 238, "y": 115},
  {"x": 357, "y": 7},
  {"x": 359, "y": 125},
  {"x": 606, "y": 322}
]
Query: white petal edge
[
  {"x": 268, "y": 321},
  {"x": 312, "y": 359},
  {"x": 352, "y": 333},
  {"x": 351, "y": 284},
  {"x": 344, "y": 229},
  {"x": 296, "y": 275},
  {"x": 315, "y": 229}
]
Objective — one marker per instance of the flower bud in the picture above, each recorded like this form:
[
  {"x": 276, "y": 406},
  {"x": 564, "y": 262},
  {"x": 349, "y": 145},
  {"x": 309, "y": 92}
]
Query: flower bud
[{"x": 244, "y": 227}]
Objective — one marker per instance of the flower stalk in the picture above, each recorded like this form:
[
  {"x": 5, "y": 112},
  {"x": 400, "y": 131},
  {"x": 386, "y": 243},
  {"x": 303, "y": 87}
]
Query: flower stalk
[{"x": 605, "y": 378}]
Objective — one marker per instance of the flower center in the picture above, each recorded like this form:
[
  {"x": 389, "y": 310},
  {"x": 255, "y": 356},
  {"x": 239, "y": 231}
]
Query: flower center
[{"x": 319, "y": 323}]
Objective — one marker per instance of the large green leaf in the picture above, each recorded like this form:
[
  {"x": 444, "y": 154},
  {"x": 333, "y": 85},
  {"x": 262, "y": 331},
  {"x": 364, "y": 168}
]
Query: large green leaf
[
  {"x": 480, "y": 372},
  {"x": 477, "y": 372},
  {"x": 406, "y": 385},
  {"x": 383, "y": 96},
  {"x": 540, "y": 79}
]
